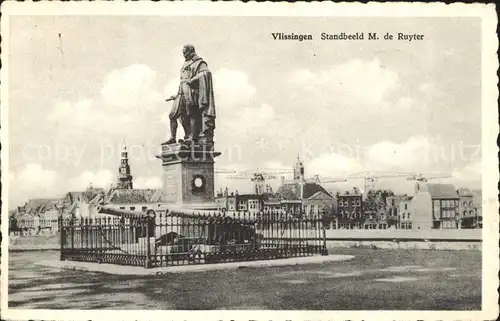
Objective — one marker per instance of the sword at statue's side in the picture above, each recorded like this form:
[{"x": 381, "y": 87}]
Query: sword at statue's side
[{"x": 170, "y": 99}]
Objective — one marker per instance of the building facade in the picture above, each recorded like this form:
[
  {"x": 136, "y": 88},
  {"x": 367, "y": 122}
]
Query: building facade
[
  {"x": 477, "y": 199},
  {"x": 350, "y": 210},
  {"x": 467, "y": 209},
  {"x": 405, "y": 219},
  {"x": 445, "y": 205}
]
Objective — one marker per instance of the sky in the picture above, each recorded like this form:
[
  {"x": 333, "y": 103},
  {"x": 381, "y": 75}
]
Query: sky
[{"x": 82, "y": 87}]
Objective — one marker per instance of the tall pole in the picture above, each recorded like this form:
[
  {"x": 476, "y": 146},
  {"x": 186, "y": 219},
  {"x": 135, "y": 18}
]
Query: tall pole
[
  {"x": 149, "y": 219},
  {"x": 325, "y": 221}
]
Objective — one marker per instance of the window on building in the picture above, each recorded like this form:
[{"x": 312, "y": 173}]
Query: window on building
[
  {"x": 144, "y": 208},
  {"x": 404, "y": 216},
  {"x": 132, "y": 208},
  {"x": 409, "y": 216},
  {"x": 406, "y": 206},
  {"x": 122, "y": 207}
]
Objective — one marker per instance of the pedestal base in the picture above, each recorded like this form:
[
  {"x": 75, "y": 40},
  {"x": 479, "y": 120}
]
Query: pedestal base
[{"x": 188, "y": 173}]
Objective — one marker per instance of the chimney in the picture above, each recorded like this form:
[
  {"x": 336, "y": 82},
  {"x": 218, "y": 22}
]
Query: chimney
[{"x": 282, "y": 180}]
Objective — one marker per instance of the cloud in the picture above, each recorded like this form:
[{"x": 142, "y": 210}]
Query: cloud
[
  {"x": 233, "y": 93},
  {"x": 471, "y": 172},
  {"x": 332, "y": 164},
  {"x": 127, "y": 97},
  {"x": 33, "y": 180},
  {"x": 356, "y": 82},
  {"x": 415, "y": 154},
  {"x": 259, "y": 116},
  {"x": 405, "y": 103},
  {"x": 232, "y": 88},
  {"x": 171, "y": 88},
  {"x": 102, "y": 178},
  {"x": 36, "y": 176},
  {"x": 131, "y": 87},
  {"x": 148, "y": 182},
  {"x": 258, "y": 122},
  {"x": 82, "y": 113}
]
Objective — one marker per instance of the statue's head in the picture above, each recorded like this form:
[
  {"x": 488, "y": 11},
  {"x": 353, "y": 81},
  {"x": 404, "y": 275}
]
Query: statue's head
[{"x": 188, "y": 52}]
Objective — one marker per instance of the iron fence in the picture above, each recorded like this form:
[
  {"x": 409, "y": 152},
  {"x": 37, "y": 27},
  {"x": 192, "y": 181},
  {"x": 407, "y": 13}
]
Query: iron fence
[{"x": 166, "y": 238}]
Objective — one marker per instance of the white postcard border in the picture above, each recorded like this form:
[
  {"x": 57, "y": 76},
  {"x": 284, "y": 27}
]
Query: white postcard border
[{"x": 490, "y": 263}]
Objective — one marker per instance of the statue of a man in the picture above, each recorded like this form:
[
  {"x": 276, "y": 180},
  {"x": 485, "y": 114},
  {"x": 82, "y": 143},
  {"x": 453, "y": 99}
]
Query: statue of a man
[{"x": 194, "y": 102}]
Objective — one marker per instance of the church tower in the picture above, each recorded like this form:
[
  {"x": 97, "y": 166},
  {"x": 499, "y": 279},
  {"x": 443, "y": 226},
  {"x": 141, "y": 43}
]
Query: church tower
[
  {"x": 124, "y": 176},
  {"x": 298, "y": 170}
]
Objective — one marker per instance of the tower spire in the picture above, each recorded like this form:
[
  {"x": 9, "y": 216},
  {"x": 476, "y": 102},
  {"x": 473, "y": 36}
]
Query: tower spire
[
  {"x": 124, "y": 180},
  {"x": 298, "y": 170}
]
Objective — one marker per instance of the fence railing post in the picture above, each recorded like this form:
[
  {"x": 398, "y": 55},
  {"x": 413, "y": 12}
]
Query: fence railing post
[
  {"x": 61, "y": 236},
  {"x": 325, "y": 221},
  {"x": 72, "y": 231},
  {"x": 149, "y": 219}
]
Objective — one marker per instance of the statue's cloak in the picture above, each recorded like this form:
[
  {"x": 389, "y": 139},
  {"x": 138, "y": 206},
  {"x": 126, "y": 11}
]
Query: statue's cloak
[
  {"x": 199, "y": 96},
  {"x": 204, "y": 87}
]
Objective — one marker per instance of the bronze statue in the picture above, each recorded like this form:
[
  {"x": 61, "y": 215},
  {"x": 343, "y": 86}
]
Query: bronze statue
[{"x": 194, "y": 102}]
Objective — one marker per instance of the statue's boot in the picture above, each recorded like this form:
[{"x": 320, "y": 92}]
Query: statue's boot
[
  {"x": 195, "y": 128},
  {"x": 173, "y": 132},
  {"x": 187, "y": 128}
]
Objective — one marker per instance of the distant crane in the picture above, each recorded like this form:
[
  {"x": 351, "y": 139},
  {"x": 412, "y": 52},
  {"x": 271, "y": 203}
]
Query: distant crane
[
  {"x": 316, "y": 179},
  {"x": 335, "y": 180},
  {"x": 423, "y": 178},
  {"x": 371, "y": 178},
  {"x": 259, "y": 177},
  {"x": 325, "y": 180},
  {"x": 224, "y": 171}
]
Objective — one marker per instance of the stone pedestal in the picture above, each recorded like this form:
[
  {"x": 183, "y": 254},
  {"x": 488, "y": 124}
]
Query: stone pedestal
[{"x": 188, "y": 173}]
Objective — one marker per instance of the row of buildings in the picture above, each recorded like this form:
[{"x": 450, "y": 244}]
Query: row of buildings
[
  {"x": 434, "y": 206},
  {"x": 40, "y": 216}
]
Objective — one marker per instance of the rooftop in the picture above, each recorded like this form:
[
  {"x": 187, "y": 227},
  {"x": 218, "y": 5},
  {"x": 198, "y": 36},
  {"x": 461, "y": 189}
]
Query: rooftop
[
  {"x": 441, "y": 191},
  {"x": 132, "y": 196},
  {"x": 464, "y": 192},
  {"x": 38, "y": 205},
  {"x": 292, "y": 191}
]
